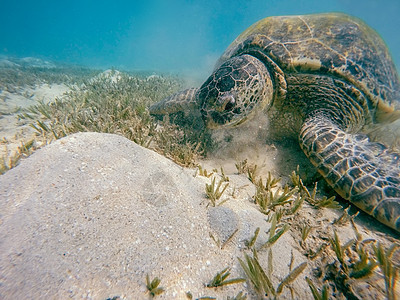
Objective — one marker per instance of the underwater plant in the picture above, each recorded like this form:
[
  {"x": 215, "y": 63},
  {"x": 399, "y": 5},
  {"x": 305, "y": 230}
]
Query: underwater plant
[
  {"x": 203, "y": 172},
  {"x": 9, "y": 161},
  {"x": 249, "y": 244},
  {"x": 389, "y": 270},
  {"x": 241, "y": 166},
  {"x": 261, "y": 279},
  {"x": 117, "y": 103},
  {"x": 220, "y": 279},
  {"x": 239, "y": 296},
  {"x": 323, "y": 295},
  {"x": 214, "y": 191},
  {"x": 17, "y": 76},
  {"x": 152, "y": 286}
]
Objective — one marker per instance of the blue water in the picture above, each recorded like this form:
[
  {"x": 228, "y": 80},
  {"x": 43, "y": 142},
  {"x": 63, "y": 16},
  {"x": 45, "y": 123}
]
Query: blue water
[{"x": 173, "y": 36}]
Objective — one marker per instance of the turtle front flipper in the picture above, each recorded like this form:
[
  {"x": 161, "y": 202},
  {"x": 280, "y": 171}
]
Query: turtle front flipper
[
  {"x": 184, "y": 101},
  {"x": 364, "y": 172}
]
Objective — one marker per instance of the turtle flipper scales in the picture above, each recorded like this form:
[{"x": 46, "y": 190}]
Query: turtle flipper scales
[
  {"x": 363, "y": 172},
  {"x": 183, "y": 101}
]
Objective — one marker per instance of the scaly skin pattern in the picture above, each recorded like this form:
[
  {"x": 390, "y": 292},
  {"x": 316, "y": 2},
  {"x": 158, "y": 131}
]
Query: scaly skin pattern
[
  {"x": 183, "y": 101},
  {"x": 235, "y": 91},
  {"x": 363, "y": 172},
  {"x": 325, "y": 79}
]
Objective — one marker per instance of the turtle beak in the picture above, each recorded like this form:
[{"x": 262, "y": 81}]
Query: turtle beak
[
  {"x": 211, "y": 119},
  {"x": 210, "y": 124},
  {"x": 216, "y": 120}
]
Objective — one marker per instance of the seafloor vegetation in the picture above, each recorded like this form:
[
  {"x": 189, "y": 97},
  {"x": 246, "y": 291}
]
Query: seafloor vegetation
[
  {"x": 16, "y": 74},
  {"x": 109, "y": 102},
  {"x": 116, "y": 102}
]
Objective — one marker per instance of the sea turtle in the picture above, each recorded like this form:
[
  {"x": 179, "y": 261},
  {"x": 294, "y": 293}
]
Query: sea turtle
[{"x": 328, "y": 80}]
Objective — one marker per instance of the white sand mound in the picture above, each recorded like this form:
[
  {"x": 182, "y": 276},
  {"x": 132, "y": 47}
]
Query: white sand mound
[{"x": 91, "y": 214}]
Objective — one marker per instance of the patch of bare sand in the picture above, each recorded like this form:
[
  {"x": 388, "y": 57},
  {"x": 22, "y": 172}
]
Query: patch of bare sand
[{"x": 14, "y": 131}]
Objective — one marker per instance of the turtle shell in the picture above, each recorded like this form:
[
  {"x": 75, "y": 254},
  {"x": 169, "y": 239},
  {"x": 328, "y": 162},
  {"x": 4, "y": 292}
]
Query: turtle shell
[{"x": 333, "y": 43}]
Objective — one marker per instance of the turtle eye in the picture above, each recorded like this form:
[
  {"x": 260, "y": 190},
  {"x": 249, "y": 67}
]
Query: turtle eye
[
  {"x": 227, "y": 102},
  {"x": 230, "y": 104}
]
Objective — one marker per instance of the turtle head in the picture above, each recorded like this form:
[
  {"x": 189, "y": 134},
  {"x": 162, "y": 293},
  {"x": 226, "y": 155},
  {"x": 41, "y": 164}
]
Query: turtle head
[{"x": 237, "y": 89}]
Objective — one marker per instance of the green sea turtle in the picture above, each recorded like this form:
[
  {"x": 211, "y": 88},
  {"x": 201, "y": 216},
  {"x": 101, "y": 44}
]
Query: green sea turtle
[{"x": 326, "y": 79}]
